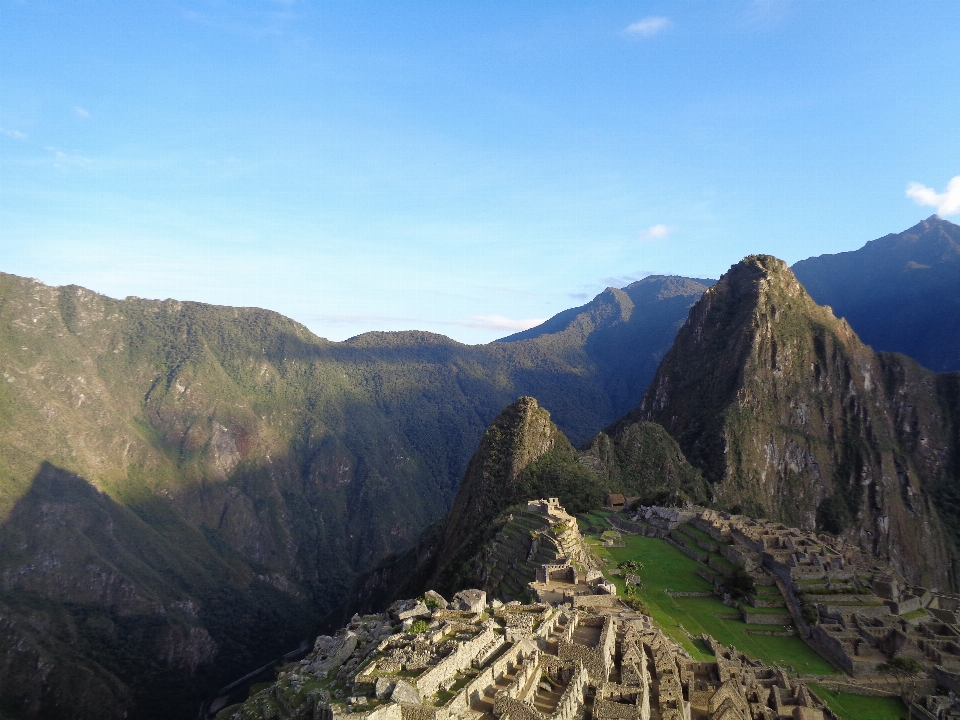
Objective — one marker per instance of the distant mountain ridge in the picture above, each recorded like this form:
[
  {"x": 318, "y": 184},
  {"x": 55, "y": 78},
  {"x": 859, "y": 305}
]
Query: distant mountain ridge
[
  {"x": 901, "y": 292},
  {"x": 623, "y": 332}
]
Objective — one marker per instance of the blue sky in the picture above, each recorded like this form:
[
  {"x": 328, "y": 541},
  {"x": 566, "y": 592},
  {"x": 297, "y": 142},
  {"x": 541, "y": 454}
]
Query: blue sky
[{"x": 465, "y": 169}]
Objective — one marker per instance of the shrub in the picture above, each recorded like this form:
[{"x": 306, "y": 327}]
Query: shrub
[{"x": 420, "y": 626}]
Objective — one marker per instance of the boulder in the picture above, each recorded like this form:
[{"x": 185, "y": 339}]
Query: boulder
[
  {"x": 404, "y": 692},
  {"x": 406, "y": 609},
  {"x": 437, "y": 598},
  {"x": 473, "y": 600},
  {"x": 332, "y": 652},
  {"x": 383, "y": 688}
]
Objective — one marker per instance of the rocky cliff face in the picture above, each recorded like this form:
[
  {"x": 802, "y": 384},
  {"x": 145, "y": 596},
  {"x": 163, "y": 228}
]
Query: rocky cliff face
[{"x": 790, "y": 416}]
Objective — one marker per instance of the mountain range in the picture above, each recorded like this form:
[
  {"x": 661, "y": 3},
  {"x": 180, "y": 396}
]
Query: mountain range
[{"x": 185, "y": 489}]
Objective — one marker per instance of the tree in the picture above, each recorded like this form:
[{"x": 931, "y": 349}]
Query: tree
[
  {"x": 739, "y": 583},
  {"x": 902, "y": 668}
]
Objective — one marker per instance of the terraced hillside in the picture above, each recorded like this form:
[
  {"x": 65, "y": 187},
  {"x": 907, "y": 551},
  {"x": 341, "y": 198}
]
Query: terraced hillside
[{"x": 526, "y": 541}]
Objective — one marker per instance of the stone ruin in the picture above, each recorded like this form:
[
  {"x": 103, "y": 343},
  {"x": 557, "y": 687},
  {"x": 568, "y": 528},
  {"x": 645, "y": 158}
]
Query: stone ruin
[
  {"x": 580, "y": 651},
  {"x": 523, "y": 662}
]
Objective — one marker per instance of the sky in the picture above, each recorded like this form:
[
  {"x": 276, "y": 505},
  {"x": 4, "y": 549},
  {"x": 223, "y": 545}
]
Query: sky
[{"x": 467, "y": 169}]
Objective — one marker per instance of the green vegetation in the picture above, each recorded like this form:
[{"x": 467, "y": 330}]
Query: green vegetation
[
  {"x": 739, "y": 583},
  {"x": 848, "y": 706},
  {"x": 642, "y": 460},
  {"x": 418, "y": 626},
  {"x": 903, "y": 669},
  {"x": 666, "y": 568}
]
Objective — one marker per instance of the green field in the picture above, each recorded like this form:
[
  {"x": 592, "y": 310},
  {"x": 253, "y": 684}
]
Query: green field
[
  {"x": 859, "y": 707},
  {"x": 666, "y": 568}
]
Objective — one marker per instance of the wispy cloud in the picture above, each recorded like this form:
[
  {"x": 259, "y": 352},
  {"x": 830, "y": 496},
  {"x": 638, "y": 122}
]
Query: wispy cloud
[
  {"x": 81, "y": 112},
  {"x": 648, "y": 27},
  {"x": 499, "y": 322},
  {"x": 366, "y": 319},
  {"x": 946, "y": 203},
  {"x": 249, "y": 24},
  {"x": 483, "y": 322},
  {"x": 621, "y": 281},
  {"x": 62, "y": 159},
  {"x": 657, "y": 232},
  {"x": 768, "y": 14},
  {"x": 15, "y": 134}
]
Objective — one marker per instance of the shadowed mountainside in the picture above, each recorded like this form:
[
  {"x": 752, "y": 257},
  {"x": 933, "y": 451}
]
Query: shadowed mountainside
[{"x": 523, "y": 456}]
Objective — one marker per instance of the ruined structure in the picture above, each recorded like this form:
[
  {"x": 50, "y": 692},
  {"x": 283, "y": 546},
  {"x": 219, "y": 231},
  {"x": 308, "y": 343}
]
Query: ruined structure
[{"x": 537, "y": 547}]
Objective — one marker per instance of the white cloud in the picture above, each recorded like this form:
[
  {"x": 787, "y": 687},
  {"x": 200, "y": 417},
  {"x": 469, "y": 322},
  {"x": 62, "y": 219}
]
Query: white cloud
[
  {"x": 656, "y": 232},
  {"x": 768, "y": 14},
  {"x": 946, "y": 203},
  {"x": 499, "y": 322},
  {"x": 81, "y": 113},
  {"x": 15, "y": 134},
  {"x": 648, "y": 27}
]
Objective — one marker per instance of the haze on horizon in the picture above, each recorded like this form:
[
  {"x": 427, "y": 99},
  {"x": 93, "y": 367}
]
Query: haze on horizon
[{"x": 469, "y": 170}]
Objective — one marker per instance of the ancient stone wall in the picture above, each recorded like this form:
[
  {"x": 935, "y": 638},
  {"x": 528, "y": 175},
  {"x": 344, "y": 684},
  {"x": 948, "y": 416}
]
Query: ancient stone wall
[
  {"x": 594, "y": 601},
  {"x": 571, "y": 701},
  {"x": 460, "y": 659}
]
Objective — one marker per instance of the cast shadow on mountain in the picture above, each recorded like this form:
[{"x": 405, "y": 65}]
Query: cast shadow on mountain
[{"x": 106, "y": 616}]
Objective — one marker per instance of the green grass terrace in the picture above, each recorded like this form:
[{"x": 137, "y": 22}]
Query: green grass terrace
[
  {"x": 666, "y": 568},
  {"x": 860, "y": 707}
]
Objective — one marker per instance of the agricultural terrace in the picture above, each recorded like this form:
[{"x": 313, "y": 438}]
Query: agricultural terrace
[
  {"x": 666, "y": 568},
  {"x": 861, "y": 707}
]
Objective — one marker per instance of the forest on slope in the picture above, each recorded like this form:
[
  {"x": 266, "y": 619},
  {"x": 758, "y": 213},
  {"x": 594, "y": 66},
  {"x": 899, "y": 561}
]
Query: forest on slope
[{"x": 185, "y": 489}]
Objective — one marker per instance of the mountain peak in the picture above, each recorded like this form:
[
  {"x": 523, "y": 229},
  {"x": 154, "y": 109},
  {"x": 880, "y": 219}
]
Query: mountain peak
[
  {"x": 520, "y": 435},
  {"x": 792, "y": 417}
]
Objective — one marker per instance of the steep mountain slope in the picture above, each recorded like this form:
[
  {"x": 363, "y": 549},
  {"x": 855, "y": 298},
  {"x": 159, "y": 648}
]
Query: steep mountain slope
[
  {"x": 901, "y": 293},
  {"x": 263, "y": 466},
  {"x": 623, "y": 333},
  {"x": 521, "y": 456},
  {"x": 790, "y": 416}
]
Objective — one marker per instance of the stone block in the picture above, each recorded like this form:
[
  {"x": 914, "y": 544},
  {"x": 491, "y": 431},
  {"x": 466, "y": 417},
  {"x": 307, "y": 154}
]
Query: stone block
[{"x": 436, "y": 597}]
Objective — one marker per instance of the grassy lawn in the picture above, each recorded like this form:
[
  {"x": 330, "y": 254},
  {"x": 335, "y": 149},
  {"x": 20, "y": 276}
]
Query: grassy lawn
[
  {"x": 859, "y": 707},
  {"x": 666, "y": 568}
]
